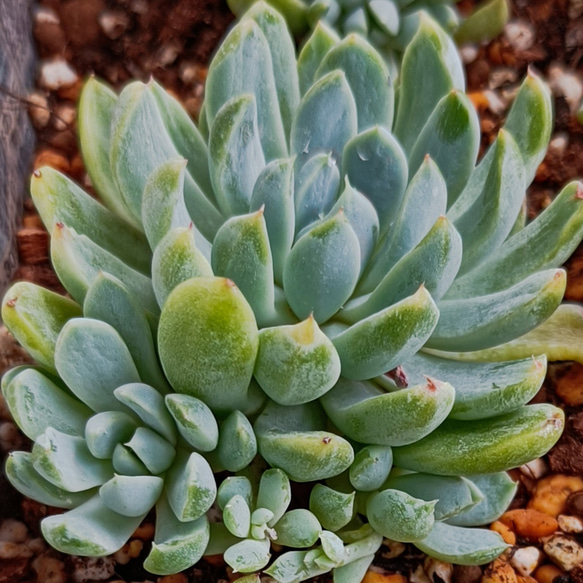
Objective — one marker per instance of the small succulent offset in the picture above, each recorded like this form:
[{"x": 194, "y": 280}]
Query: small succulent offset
[
  {"x": 314, "y": 285},
  {"x": 389, "y": 25}
]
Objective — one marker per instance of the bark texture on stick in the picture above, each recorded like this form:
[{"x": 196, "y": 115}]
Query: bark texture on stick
[{"x": 16, "y": 135}]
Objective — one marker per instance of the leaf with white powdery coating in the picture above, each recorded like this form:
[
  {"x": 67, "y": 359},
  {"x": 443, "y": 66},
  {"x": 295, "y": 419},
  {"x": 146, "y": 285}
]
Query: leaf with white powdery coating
[
  {"x": 59, "y": 200},
  {"x": 177, "y": 545},
  {"x": 322, "y": 269},
  {"x": 246, "y": 49},
  {"x": 36, "y": 316},
  {"x": 484, "y": 445},
  {"x": 90, "y": 530},
  {"x": 367, "y": 414},
  {"x": 199, "y": 315},
  {"x": 236, "y": 154},
  {"x": 93, "y": 361},
  {"x": 380, "y": 342},
  {"x": 296, "y": 364}
]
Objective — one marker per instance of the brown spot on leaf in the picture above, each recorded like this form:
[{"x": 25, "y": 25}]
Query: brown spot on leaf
[{"x": 326, "y": 440}]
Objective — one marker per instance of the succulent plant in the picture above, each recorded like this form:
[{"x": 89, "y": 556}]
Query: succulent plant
[
  {"x": 314, "y": 286},
  {"x": 389, "y": 25}
]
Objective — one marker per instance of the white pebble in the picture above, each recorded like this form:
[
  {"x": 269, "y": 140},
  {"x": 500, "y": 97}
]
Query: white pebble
[
  {"x": 419, "y": 576},
  {"x": 438, "y": 570},
  {"x": 469, "y": 53},
  {"x": 564, "y": 551},
  {"x": 113, "y": 23},
  {"x": 44, "y": 15},
  {"x": 56, "y": 74},
  {"x": 571, "y": 524},
  {"x": 567, "y": 84},
  {"x": 535, "y": 469},
  {"x": 520, "y": 34},
  {"x": 13, "y": 531},
  {"x": 525, "y": 560}
]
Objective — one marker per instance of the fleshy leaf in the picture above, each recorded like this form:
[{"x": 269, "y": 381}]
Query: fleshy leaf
[
  {"x": 177, "y": 545},
  {"x": 293, "y": 439},
  {"x": 237, "y": 444},
  {"x": 236, "y": 155},
  {"x": 431, "y": 54},
  {"x": 497, "y": 490},
  {"x": 296, "y": 364},
  {"x": 283, "y": 58},
  {"x": 274, "y": 493},
  {"x": 545, "y": 243},
  {"x": 94, "y": 115},
  {"x": 242, "y": 253},
  {"x": 451, "y": 493},
  {"x": 325, "y": 119},
  {"x": 35, "y": 316},
  {"x": 59, "y": 200},
  {"x": 487, "y": 445},
  {"x": 93, "y": 361},
  {"x": 434, "y": 262},
  {"x": 237, "y": 516},
  {"x": 322, "y": 39},
  {"x": 148, "y": 404},
  {"x": 199, "y": 315},
  {"x": 451, "y": 137},
  {"x": 368, "y": 78},
  {"x": 176, "y": 259},
  {"x": 376, "y": 166},
  {"x": 486, "y": 211},
  {"x": 194, "y": 420},
  {"x": 298, "y": 529},
  {"x": 235, "y": 486},
  {"x": 377, "y": 344},
  {"x": 371, "y": 467},
  {"x": 481, "y": 390},
  {"x": 333, "y": 509},
  {"x": 131, "y": 495},
  {"x": 322, "y": 269},
  {"x": 485, "y": 22},
  {"x": 248, "y": 555},
  {"x": 22, "y": 475},
  {"x": 399, "y": 516},
  {"x": 484, "y": 321},
  {"x": 190, "y": 486},
  {"x": 365, "y": 413},
  {"x": 423, "y": 203},
  {"x": 154, "y": 451},
  {"x": 77, "y": 260},
  {"x": 560, "y": 338},
  {"x": 110, "y": 301},
  {"x": 274, "y": 192},
  {"x": 246, "y": 49},
  {"x": 90, "y": 530},
  {"x": 105, "y": 430},
  {"x": 462, "y": 546},
  {"x": 530, "y": 121},
  {"x": 36, "y": 403},
  {"x": 66, "y": 462}
]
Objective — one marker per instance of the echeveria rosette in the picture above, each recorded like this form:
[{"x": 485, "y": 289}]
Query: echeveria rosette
[
  {"x": 110, "y": 448},
  {"x": 389, "y": 25},
  {"x": 313, "y": 267}
]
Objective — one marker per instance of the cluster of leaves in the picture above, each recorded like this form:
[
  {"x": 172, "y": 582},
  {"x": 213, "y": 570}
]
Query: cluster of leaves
[
  {"x": 312, "y": 285},
  {"x": 389, "y": 25}
]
